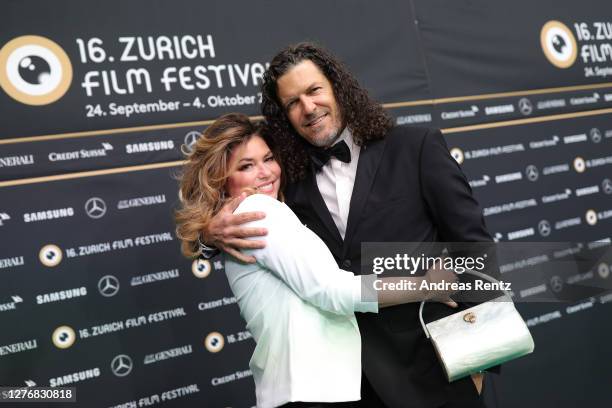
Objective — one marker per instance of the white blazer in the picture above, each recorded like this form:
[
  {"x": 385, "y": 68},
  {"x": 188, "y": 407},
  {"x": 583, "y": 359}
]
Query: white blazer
[{"x": 299, "y": 307}]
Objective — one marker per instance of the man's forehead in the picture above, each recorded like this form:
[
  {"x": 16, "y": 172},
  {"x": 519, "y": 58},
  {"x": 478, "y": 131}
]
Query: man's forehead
[{"x": 301, "y": 75}]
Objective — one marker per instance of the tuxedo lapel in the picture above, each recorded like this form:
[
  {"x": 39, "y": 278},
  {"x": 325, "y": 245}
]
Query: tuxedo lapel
[
  {"x": 369, "y": 160},
  {"x": 320, "y": 208}
]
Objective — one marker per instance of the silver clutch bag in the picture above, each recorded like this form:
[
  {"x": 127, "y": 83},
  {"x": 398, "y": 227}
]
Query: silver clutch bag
[{"x": 480, "y": 337}]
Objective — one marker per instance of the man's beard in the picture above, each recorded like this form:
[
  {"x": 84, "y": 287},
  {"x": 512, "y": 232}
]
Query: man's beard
[{"x": 328, "y": 140}]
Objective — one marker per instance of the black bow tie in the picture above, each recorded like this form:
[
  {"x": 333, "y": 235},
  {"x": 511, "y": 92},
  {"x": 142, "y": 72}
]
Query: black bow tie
[{"x": 320, "y": 156}]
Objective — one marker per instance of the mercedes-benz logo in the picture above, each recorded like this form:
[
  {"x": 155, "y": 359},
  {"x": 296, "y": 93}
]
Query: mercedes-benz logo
[
  {"x": 95, "y": 207},
  {"x": 532, "y": 172},
  {"x": 122, "y": 365},
  {"x": 190, "y": 139},
  {"x": 108, "y": 285},
  {"x": 544, "y": 228},
  {"x": 595, "y": 135},
  {"x": 525, "y": 106},
  {"x": 556, "y": 284},
  {"x": 606, "y": 186}
]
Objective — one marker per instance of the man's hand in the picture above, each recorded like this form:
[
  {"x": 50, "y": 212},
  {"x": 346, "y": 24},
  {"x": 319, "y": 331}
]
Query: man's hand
[
  {"x": 441, "y": 276},
  {"x": 477, "y": 379},
  {"x": 226, "y": 232}
]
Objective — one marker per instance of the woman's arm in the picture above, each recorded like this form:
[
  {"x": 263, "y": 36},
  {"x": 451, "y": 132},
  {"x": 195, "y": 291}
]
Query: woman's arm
[{"x": 302, "y": 261}]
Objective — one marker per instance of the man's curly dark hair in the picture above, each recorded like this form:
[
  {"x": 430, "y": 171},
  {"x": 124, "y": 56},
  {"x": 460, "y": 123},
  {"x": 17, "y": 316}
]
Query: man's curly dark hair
[{"x": 366, "y": 119}]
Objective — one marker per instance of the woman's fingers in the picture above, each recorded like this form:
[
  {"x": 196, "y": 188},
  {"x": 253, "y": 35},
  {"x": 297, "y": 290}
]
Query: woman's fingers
[
  {"x": 239, "y": 219},
  {"x": 244, "y": 232},
  {"x": 239, "y": 244},
  {"x": 451, "y": 303},
  {"x": 238, "y": 255}
]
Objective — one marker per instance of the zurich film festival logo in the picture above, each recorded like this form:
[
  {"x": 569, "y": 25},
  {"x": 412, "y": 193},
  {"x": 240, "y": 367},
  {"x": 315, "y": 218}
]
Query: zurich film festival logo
[
  {"x": 201, "y": 268},
  {"x": 34, "y": 70},
  {"x": 50, "y": 255},
  {"x": 214, "y": 342},
  {"x": 558, "y": 44},
  {"x": 457, "y": 154},
  {"x": 63, "y": 337}
]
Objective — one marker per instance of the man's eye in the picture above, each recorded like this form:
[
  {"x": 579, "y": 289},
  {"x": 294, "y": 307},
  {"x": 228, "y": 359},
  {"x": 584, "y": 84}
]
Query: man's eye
[{"x": 290, "y": 105}]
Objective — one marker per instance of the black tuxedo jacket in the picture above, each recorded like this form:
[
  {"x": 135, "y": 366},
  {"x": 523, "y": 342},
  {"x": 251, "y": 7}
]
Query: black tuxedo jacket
[{"x": 407, "y": 189}]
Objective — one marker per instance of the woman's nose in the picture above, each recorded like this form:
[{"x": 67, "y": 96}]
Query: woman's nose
[{"x": 263, "y": 171}]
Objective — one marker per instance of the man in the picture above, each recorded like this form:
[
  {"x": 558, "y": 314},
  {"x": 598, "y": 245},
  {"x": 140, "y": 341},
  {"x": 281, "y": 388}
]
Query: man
[{"x": 354, "y": 177}]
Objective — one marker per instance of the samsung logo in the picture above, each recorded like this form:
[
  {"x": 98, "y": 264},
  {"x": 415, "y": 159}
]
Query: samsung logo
[
  {"x": 498, "y": 110},
  {"x": 48, "y": 214},
  {"x": 75, "y": 377},
  {"x": 527, "y": 232},
  {"x": 61, "y": 295},
  {"x": 149, "y": 146},
  {"x": 505, "y": 178}
]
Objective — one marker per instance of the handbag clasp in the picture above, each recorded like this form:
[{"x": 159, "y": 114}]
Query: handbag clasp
[{"x": 469, "y": 317}]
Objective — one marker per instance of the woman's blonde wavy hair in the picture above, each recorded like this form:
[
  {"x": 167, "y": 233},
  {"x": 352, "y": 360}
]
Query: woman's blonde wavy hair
[{"x": 205, "y": 173}]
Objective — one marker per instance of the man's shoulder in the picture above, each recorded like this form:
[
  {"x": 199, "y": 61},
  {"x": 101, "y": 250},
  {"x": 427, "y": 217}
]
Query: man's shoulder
[
  {"x": 407, "y": 137},
  {"x": 412, "y": 135},
  {"x": 401, "y": 139}
]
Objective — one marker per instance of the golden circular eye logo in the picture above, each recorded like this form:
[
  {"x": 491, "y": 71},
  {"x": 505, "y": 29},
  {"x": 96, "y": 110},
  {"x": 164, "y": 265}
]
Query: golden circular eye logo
[
  {"x": 50, "y": 255},
  {"x": 34, "y": 70},
  {"x": 591, "y": 217},
  {"x": 558, "y": 44},
  {"x": 603, "y": 270},
  {"x": 63, "y": 337},
  {"x": 201, "y": 268},
  {"x": 457, "y": 154},
  {"x": 579, "y": 164},
  {"x": 214, "y": 342}
]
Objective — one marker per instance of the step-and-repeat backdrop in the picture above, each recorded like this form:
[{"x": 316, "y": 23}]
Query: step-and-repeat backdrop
[{"x": 97, "y": 99}]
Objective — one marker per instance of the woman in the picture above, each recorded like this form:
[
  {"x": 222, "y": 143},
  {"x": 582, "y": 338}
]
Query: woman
[{"x": 298, "y": 305}]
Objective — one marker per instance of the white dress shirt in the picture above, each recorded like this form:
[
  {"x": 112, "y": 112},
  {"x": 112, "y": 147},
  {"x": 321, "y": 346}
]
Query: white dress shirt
[
  {"x": 299, "y": 308},
  {"x": 336, "y": 180}
]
